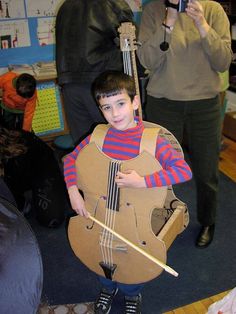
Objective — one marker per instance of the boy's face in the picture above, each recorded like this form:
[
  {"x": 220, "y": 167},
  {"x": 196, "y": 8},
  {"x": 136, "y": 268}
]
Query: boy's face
[{"x": 118, "y": 110}]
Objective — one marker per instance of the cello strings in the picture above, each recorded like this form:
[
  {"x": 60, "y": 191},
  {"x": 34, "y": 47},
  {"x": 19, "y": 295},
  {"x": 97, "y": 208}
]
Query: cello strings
[
  {"x": 104, "y": 231},
  {"x": 109, "y": 215},
  {"x": 127, "y": 64},
  {"x": 112, "y": 208},
  {"x": 112, "y": 189},
  {"x": 106, "y": 242}
]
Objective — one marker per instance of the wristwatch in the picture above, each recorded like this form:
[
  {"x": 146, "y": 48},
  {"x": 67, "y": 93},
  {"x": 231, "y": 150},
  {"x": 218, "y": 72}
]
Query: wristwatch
[{"x": 168, "y": 27}]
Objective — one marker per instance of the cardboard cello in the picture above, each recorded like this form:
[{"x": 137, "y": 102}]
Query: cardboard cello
[{"x": 155, "y": 216}]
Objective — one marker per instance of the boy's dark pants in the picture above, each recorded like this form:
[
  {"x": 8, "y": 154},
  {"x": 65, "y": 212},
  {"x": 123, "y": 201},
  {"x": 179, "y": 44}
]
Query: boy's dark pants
[
  {"x": 81, "y": 110},
  {"x": 11, "y": 119},
  {"x": 200, "y": 122}
]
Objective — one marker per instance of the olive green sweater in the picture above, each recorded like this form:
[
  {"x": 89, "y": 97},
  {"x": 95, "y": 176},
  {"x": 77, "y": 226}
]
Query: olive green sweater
[{"x": 188, "y": 70}]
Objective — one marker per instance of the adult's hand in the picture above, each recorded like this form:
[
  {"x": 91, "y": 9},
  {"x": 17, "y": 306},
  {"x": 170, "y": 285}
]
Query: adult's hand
[{"x": 195, "y": 11}]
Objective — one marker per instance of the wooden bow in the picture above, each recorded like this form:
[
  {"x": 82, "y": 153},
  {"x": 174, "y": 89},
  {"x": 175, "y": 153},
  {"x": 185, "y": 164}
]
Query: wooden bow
[{"x": 152, "y": 258}]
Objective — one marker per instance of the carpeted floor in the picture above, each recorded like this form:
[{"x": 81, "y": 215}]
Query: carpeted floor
[
  {"x": 82, "y": 308},
  {"x": 198, "y": 307},
  {"x": 202, "y": 273}
]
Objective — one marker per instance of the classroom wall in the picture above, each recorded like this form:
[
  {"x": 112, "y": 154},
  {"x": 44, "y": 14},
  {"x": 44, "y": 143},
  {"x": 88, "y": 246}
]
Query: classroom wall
[
  {"x": 30, "y": 54},
  {"x": 33, "y": 12}
]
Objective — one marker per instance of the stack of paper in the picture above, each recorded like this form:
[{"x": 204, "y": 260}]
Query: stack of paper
[
  {"x": 45, "y": 70},
  {"x": 21, "y": 68}
]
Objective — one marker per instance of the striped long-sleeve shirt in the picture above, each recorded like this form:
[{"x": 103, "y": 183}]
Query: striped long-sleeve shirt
[{"x": 124, "y": 145}]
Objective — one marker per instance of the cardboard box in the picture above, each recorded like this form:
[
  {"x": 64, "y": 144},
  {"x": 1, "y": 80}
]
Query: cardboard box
[
  {"x": 231, "y": 101},
  {"x": 229, "y": 127}
]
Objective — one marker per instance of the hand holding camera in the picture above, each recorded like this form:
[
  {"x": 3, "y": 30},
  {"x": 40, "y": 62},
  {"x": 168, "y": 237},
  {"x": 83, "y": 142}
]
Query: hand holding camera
[
  {"x": 183, "y": 5},
  {"x": 195, "y": 11},
  {"x": 173, "y": 8},
  {"x": 179, "y": 6}
]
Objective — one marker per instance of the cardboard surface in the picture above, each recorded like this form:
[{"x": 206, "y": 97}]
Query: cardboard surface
[{"x": 229, "y": 128}]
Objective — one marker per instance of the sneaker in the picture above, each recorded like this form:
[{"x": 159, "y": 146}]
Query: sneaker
[
  {"x": 133, "y": 304},
  {"x": 104, "y": 301}
]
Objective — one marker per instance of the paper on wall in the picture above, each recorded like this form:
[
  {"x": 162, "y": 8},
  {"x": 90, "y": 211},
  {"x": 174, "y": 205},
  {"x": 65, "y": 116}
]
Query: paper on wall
[
  {"x": 14, "y": 34},
  {"x": 46, "y": 31},
  {"x": 12, "y": 9},
  {"x": 36, "y": 8}
]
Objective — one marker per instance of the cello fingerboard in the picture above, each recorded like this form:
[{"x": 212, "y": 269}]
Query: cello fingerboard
[{"x": 112, "y": 201}]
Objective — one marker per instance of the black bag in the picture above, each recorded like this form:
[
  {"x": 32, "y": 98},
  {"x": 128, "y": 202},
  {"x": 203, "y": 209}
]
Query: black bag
[{"x": 38, "y": 171}]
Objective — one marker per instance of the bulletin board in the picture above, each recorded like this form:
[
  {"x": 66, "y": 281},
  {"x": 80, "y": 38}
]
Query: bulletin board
[
  {"x": 27, "y": 29},
  {"x": 49, "y": 119}
]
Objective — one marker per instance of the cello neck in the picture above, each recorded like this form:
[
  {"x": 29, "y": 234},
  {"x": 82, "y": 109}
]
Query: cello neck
[
  {"x": 112, "y": 201},
  {"x": 128, "y": 47}
]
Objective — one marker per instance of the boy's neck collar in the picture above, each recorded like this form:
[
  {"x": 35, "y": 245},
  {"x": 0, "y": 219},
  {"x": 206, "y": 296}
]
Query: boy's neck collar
[{"x": 137, "y": 124}]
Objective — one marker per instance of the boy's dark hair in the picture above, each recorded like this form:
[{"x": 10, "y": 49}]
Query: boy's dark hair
[
  {"x": 25, "y": 85},
  {"x": 110, "y": 83}
]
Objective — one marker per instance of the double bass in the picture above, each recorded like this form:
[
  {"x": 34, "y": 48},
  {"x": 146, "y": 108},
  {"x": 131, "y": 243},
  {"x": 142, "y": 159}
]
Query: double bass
[{"x": 130, "y": 230}]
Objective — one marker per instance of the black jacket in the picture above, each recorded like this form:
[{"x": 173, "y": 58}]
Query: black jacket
[{"x": 85, "y": 33}]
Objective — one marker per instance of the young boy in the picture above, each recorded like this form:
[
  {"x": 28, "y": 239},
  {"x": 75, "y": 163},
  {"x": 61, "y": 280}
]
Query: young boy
[
  {"x": 18, "y": 100},
  {"x": 115, "y": 94}
]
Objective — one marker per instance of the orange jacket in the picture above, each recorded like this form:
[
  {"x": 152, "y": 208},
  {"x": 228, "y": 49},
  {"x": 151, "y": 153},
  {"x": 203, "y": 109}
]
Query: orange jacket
[{"x": 12, "y": 100}]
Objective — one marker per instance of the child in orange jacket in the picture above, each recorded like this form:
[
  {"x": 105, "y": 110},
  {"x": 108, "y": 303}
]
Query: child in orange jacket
[{"x": 18, "y": 100}]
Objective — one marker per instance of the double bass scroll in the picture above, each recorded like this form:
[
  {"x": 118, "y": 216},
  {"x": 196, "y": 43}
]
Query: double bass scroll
[{"x": 128, "y": 47}]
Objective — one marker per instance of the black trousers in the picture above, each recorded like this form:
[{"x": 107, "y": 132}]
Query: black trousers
[
  {"x": 200, "y": 122},
  {"x": 11, "y": 120},
  {"x": 81, "y": 110}
]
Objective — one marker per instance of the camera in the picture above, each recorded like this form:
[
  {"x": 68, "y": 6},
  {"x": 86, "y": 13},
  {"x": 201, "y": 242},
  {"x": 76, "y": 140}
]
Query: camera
[{"x": 182, "y": 5}]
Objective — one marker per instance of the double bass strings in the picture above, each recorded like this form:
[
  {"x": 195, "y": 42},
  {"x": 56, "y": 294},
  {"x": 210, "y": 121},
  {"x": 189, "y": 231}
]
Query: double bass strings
[
  {"x": 127, "y": 64},
  {"x": 112, "y": 204}
]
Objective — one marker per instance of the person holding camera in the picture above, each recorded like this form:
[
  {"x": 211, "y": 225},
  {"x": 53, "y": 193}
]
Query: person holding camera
[{"x": 184, "y": 51}]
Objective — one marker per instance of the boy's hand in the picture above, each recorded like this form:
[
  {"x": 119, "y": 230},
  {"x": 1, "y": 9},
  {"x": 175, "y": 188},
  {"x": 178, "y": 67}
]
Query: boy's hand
[
  {"x": 77, "y": 201},
  {"x": 130, "y": 179}
]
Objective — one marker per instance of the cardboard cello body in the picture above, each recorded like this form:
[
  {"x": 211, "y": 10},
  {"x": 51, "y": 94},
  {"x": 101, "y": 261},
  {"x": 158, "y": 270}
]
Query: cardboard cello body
[
  {"x": 150, "y": 218},
  {"x": 144, "y": 216}
]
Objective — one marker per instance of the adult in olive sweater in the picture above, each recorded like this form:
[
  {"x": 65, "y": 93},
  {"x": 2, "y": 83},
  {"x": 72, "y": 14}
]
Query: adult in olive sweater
[{"x": 184, "y": 86}]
